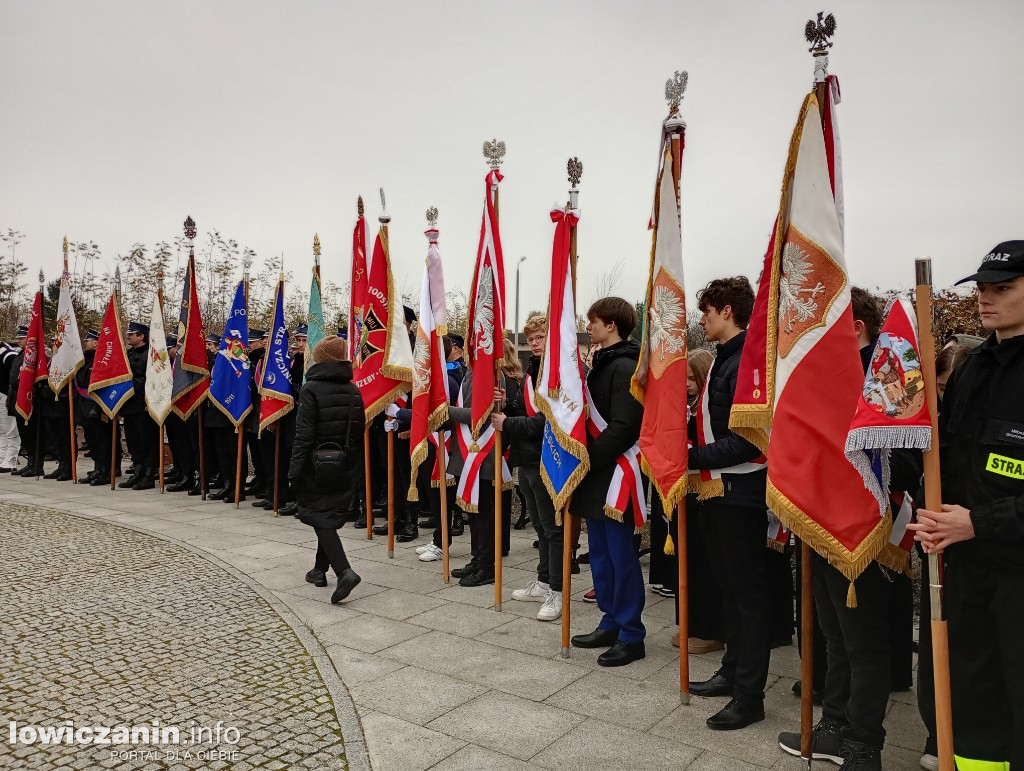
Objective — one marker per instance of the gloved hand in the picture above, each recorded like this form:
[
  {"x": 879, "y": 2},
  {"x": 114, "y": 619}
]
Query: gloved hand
[
  {"x": 391, "y": 411},
  {"x": 391, "y": 424}
]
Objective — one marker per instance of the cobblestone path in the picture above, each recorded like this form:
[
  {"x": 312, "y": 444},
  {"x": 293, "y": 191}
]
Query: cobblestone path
[{"x": 106, "y": 626}]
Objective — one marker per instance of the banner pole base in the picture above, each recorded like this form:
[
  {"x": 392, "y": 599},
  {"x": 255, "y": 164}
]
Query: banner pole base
[
  {"x": 565, "y": 653},
  {"x": 391, "y": 554},
  {"x": 684, "y": 698},
  {"x": 497, "y": 606}
]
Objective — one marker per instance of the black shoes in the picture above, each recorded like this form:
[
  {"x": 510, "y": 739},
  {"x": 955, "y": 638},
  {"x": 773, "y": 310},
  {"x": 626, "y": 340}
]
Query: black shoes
[
  {"x": 131, "y": 480},
  {"x": 185, "y": 483},
  {"x": 826, "y": 742},
  {"x": 381, "y": 529},
  {"x": 145, "y": 482},
  {"x": 196, "y": 488},
  {"x": 53, "y": 474},
  {"x": 288, "y": 510},
  {"x": 860, "y": 757},
  {"x": 736, "y": 714},
  {"x": 316, "y": 577},
  {"x": 221, "y": 495},
  {"x": 458, "y": 526},
  {"x": 522, "y": 522},
  {"x": 479, "y": 578},
  {"x": 408, "y": 534},
  {"x": 621, "y": 653},
  {"x": 100, "y": 477},
  {"x": 599, "y": 638},
  {"x": 347, "y": 581},
  {"x": 468, "y": 569},
  {"x": 716, "y": 686},
  {"x": 63, "y": 473}
]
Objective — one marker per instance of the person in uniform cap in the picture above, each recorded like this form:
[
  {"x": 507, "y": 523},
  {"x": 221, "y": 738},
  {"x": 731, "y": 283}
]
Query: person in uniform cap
[
  {"x": 456, "y": 359},
  {"x": 91, "y": 418},
  {"x": 980, "y": 530},
  {"x": 343, "y": 333},
  {"x": 212, "y": 343},
  {"x": 141, "y": 432}
]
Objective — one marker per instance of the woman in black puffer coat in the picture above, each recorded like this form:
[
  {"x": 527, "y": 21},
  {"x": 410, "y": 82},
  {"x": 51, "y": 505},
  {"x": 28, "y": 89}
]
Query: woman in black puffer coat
[{"x": 330, "y": 412}]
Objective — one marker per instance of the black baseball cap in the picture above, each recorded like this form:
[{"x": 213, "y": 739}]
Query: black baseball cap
[{"x": 1004, "y": 262}]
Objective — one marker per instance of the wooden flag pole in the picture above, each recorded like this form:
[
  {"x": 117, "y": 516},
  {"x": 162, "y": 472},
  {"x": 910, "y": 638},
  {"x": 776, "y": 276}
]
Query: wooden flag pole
[
  {"x": 160, "y": 431},
  {"x": 71, "y": 396},
  {"x": 277, "y": 466},
  {"x": 933, "y": 502},
  {"x": 391, "y": 494},
  {"x": 366, "y": 477},
  {"x": 113, "y": 451},
  {"x": 238, "y": 428},
  {"x": 202, "y": 451},
  {"x": 575, "y": 169},
  {"x": 442, "y": 463}
]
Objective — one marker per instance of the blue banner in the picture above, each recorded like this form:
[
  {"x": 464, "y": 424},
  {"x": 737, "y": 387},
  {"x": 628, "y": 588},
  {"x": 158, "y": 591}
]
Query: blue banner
[
  {"x": 230, "y": 379},
  {"x": 558, "y": 464}
]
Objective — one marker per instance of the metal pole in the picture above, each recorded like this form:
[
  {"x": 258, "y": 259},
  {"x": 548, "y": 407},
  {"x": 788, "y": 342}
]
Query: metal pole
[
  {"x": 202, "y": 451},
  {"x": 391, "y": 494},
  {"x": 74, "y": 437},
  {"x": 113, "y": 450},
  {"x": 366, "y": 477},
  {"x": 277, "y": 465},
  {"x": 442, "y": 462}
]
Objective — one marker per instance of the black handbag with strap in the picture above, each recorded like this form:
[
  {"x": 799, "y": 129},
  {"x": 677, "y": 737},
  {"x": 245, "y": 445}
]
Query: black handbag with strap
[{"x": 330, "y": 462}]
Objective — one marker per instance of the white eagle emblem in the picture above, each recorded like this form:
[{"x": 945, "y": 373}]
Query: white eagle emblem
[
  {"x": 421, "y": 365},
  {"x": 667, "y": 317},
  {"x": 794, "y": 309},
  {"x": 483, "y": 313}
]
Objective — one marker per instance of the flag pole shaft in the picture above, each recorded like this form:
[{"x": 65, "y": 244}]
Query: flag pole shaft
[
  {"x": 113, "y": 450},
  {"x": 567, "y": 539},
  {"x": 71, "y": 425},
  {"x": 806, "y": 651},
  {"x": 442, "y": 464},
  {"x": 498, "y": 451},
  {"x": 37, "y": 413},
  {"x": 160, "y": 462},
  {"x": 391, "y": 495},
  {"x": 238, "y": 465},
  {"x": 202, "y": 451},
  {"x": 277, "y": 467},
  {"x": 933, "y": 502},
  {"x": 366, "y": 478}
]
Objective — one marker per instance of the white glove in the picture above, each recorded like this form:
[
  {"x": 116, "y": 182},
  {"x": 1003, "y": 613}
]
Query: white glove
[
  {"x": 391, "y": 424},
  {"x": 391, "y": 411}
]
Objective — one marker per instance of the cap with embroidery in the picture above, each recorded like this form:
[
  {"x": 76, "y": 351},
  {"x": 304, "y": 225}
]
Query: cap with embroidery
[
  {"x": 457, "y": 340},
  {"x": 92, "y": 334},
  {"x": 22, "y": 331},
  {"x": 213, "y": 338},
  {"x": 255, "y": 335},
  {"x": 301, "y": 330},
  {"x": 1004, "y": 262}
]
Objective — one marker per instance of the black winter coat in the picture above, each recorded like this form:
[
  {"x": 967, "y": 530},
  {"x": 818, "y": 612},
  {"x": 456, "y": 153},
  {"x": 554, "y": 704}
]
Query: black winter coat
[
  {"x": 137, "y": 358},
  {"x": 87, "y": 412},
  {"x": 252, "y": 420},
  {"x": 213, "y": 417},
  {"x": 608, "y": 382},
  {"x": 13, "y": 377},
  {"x": 729, "y": 449},
  {"x": 330, "y": 410},
  {"x": 525, "y": 433}
]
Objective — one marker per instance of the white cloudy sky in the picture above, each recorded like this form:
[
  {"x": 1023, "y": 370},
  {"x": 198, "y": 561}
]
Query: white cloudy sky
[{"x": 265, "y": 120}]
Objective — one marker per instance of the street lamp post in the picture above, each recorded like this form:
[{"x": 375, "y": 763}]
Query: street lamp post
[{"x": 518, "y": 264}]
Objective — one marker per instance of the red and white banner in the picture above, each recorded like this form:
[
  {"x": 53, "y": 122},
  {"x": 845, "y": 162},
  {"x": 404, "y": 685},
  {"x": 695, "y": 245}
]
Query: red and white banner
[
  {"x": 34, "y": 367},
  {"x": 627, "y": 485},
  {"x": 486, "y": 323},
  {"x": 800, "y": 374},
  {"x": 475, "y": 452},
  {"x": 383, "y": 363},
  {"x": 429, "y": 375},
  {"x": 357, "y": 287},
  {"x": 659, "y": 382}
]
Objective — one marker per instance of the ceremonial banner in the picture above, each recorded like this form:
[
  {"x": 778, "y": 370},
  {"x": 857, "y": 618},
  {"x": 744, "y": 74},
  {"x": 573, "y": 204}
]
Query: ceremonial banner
[
  {"x": 659, "y": 382},
  {"x": 159, "y": 378},
  {"x": 800, "y": 373},
  {"x": 383, "y": 364},
  {"x": 627, "y": 485},
  {"x": 430, "y": 374},
  {"x": 110, "y": 384},
  {"x": 486, "y": 323},
  {"x": 891, "y": 413},
  {"x": 560, "y": 390},
  {"x": 230, "y": 378},
  {"x": 34, "y": 365},
  {"x": 274, "y": 377},
  {"x": 357, "y": 286},
  {"x": 314, "y": 320},
  {"x": 67, "y": 345},
  {"x": 191, "y": 378}
]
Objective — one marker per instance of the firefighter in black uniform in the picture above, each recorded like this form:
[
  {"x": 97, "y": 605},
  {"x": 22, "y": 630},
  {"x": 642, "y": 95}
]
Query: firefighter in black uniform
[
  {"x": 87, "y": 415},
  {"x": 980, "y": 530},
  {"x": 141, "y": 432}
]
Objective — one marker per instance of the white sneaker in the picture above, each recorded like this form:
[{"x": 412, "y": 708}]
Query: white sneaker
[
  {"x": 535, "y": 591},
  {"x": 929, "y": 762},
  {"x": 431, "y": 554},
  {"x": 552, "y": 607},
  {"x": 424, "y": 547}
]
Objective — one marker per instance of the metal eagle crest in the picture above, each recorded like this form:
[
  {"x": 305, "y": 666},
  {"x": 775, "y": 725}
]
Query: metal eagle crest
[
  {"x": 818, "y": 32},
  {"x": 494, "y": 152},
  {"x": 432, "y": 216},
  {"x": 675, "y": 87},
  {"x": 574, "y": 168}
]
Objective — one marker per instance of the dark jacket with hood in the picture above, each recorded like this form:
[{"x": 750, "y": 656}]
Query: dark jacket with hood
[
  {"x": 729, "y": 449},
  {"x": 609, "y": 382},
  {"x": 330, "y": 410},
  {"x": 525, "y": 433}
]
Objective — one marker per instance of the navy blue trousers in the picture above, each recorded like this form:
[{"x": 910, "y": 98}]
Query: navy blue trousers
[{"x": 618, "y": 578}]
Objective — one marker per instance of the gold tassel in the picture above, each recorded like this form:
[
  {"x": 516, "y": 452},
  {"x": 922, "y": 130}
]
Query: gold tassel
[
  {"x": 851, "y": 596},
  {"x": 670, "y": 547}
]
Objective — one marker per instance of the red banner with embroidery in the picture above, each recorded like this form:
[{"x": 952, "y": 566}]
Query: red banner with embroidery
[
  {"x": 627, "y": 485},
  {"x": 468, "y": 493},
  {"x": 486, "y": 323},
  {"x": 34, "y": 366},
  {"x": 357, "y": 285}
]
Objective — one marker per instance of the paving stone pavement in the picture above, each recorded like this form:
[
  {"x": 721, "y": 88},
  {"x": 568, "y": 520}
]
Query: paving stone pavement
[{"x": 438, "y": 678}]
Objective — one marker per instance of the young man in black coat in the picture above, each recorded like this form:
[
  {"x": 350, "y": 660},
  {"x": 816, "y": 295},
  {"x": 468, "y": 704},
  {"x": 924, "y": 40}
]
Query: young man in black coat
[
  {"x": 734, "y": 523},
  {"x": 141, "y": 432},
  {"x": 614, "y": 560},
  {"x": 330, "y": 415}
]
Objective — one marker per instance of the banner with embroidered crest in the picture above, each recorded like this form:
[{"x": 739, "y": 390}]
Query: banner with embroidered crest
[
  {"x": 891, "y": 413},
  {"x": 110, "y": 383},
  {"x": 560, "y": 391},
  {"x": 34, "y": 366},
  {"x": 430, "y": 375},
  {"x": 383, "y": 364},
  {"x": 660, "y": 378},
  {"x": 357, "y": 285},
  {"x": 191, "y": 378},
  {"x": 68, "y": 357},
  {"x": 486, "y": 313},
  {"x": 801, "y": 345},
  {"x": 230, "y": 380},
  {"x": 159, "y": 377},
  {"x": 273, "y": 377}
]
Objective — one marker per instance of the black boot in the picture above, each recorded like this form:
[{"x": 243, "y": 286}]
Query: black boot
[
  {"x": 131, "y": 480},
  {"x": 146, "y": 481},
  {"x": 182, "y": 484},
  {"x": 860, "y": 757},
  {"x": 88, "y": 477},
  {"x": 458, "y": 526},
  {"x": 522, "y": 522},
  {"x": 63, "y": 472},
  {"x": 409, "y": 531},
  {"x": 197, "y": 486},
  {"x": 56, "y": 472},
  {"x": 100, "y": 477}
]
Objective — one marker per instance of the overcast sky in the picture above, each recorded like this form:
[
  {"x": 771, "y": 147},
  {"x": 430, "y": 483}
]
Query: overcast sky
[{"x": 265, "y": 120}]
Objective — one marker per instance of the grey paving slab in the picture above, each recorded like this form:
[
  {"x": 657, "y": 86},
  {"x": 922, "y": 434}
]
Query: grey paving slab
[
  {"x": 398, "y": 745},
  {"x": 460, "y": 619},
  {"x": 508, "y": 724},
  {"x": 396, "y": 604},
  {"x": 369, "y": 634},
  {"x": 617, "y": 699},
  {"x": 356, "y": 667},
  {"x": 473, "y": 758},
  {"x": 598, "y": 744},
  {"x": 415, "y": 695}
]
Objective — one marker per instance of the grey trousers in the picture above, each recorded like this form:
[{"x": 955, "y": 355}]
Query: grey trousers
[{"x": 542, "y": 515}]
